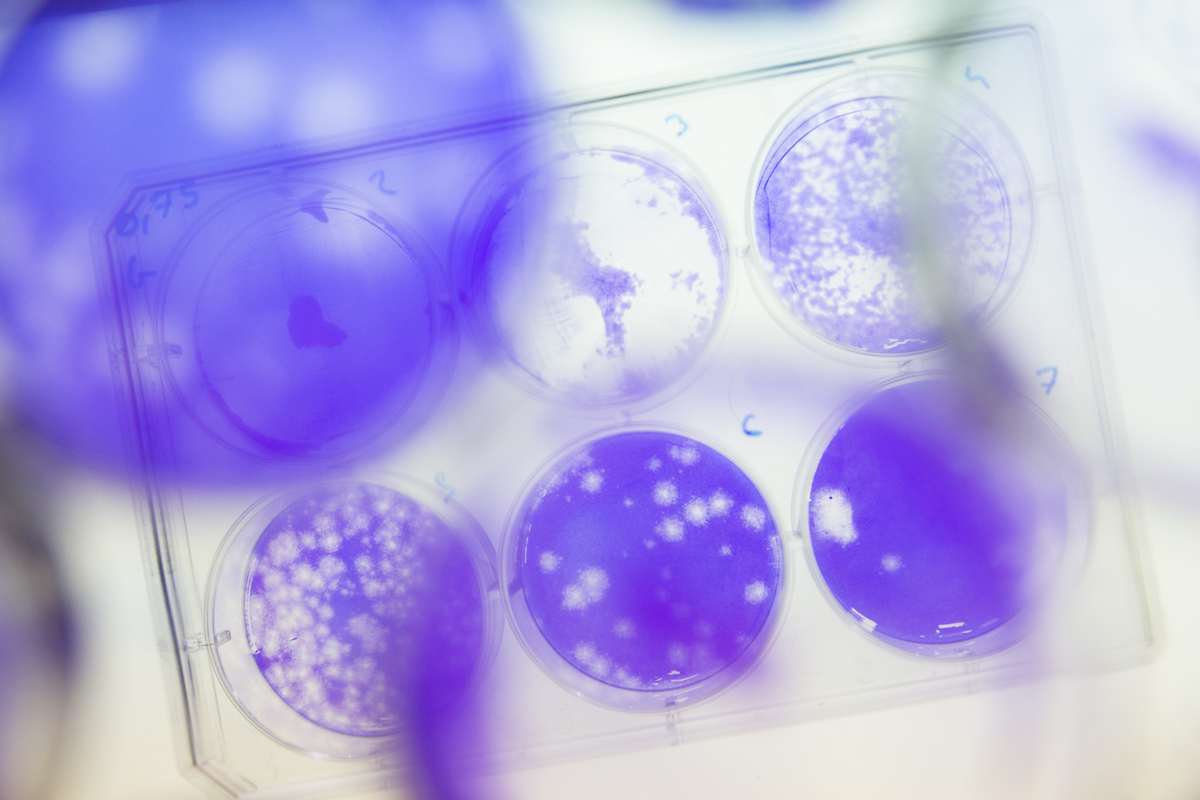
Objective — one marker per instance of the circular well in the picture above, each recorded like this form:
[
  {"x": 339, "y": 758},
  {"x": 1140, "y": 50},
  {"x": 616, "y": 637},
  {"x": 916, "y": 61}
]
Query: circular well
[
  {"x": 302, "y": 324},
  {"x": 931, "y": 534},
  {"x": 601, "y": 274},
  {"x": 644, "y": 569},
  {"x": 327, "y": 601},
  {"x": 830, "y": 227}
]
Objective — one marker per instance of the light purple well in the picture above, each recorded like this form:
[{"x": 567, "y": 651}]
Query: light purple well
[
  {"x": 601, "y": 275},
  {"x": 830, "y": 219}
]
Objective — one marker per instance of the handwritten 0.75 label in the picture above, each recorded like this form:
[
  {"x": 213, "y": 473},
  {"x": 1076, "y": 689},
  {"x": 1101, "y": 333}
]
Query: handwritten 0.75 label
[{"x": 130, "y": 222}]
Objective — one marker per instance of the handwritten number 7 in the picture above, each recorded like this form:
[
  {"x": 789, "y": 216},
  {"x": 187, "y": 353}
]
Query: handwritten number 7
[
  {"x": 1053, "y": 373},
  {"x": 163, "y": 203}
]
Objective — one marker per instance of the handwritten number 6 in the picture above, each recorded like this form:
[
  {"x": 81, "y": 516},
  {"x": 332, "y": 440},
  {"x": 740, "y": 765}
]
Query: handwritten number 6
[{"x": 137, "y": 278}]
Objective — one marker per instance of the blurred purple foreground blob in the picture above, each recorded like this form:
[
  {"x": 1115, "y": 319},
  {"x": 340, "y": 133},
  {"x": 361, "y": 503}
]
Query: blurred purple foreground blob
[
  {"x": 87, "y": 99},
  {"x": 925, "y": 530},
  {"x": 649, "y": 561},
  {"x": 1174, "y": 154},
  {"x": 37, "y": 641}
]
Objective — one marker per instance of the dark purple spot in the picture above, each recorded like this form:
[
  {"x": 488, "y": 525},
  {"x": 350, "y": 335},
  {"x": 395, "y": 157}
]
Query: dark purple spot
[
  {"x": 308, "y": 327},
  {"x": 311, "y": 205}
]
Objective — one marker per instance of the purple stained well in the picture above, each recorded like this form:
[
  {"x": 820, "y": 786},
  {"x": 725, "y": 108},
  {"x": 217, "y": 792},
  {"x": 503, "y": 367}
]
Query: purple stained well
[
  {"x": 925, "y": 529},
  {"x": 355, "y": 592},
  {"x": 649, "y": 561},
  {"x": 311, "y": 333},
  {"x": 831, "y": 227}
]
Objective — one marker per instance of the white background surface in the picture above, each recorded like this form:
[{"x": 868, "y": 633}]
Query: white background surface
[{"x": 1128, "y": 734}]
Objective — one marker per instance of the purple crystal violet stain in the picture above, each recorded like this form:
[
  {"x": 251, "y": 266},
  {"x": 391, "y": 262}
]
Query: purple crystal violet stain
[
  {"x": 830, "y": 225},
  {"x": 356, "y": 592},
  {"x": 308, "y": 327},
  {"x": 649, "y": 561},
  {"x": 310, "y": 337},
  {"x": 925, "y": 529}
]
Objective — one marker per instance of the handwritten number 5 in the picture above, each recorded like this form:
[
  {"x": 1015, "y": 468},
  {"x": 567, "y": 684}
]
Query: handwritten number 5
[{"x": 188, "y": 190}]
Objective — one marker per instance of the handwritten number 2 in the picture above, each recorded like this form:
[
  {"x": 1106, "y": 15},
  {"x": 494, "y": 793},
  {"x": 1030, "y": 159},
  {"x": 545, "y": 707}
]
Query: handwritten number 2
[{"x": 379, "y": 174}]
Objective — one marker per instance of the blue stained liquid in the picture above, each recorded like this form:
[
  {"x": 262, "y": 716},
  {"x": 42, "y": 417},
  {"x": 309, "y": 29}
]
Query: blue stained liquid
[{"x": 649, "y": 561}]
